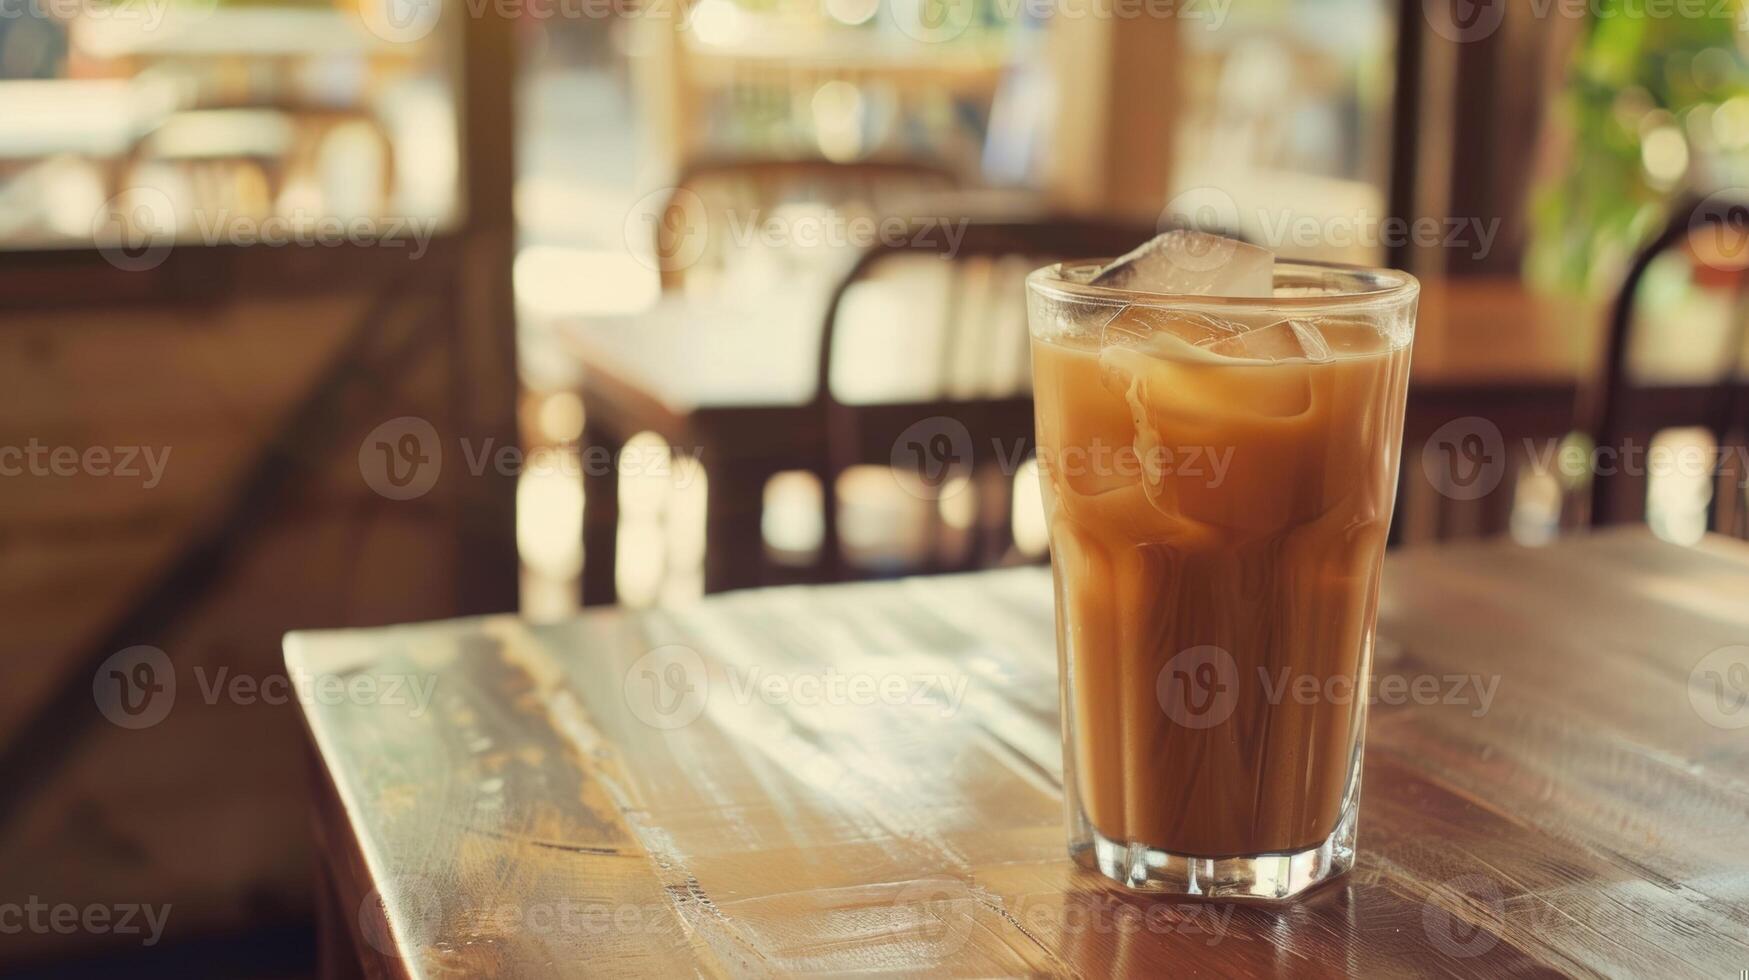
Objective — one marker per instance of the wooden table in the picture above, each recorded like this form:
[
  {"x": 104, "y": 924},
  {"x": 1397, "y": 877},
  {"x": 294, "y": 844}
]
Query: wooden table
[
  {"x": 1556, "y": 785},
  {"x": 732, "y": 382}
]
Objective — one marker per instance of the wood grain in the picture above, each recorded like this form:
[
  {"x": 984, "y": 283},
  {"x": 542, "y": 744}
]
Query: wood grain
[
  {"x": 259, "y": 523},
  {"x": 1542, "y": 795}
]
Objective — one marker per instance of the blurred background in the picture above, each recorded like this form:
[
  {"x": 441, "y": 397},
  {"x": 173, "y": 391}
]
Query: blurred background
[{"x": 326, "y": 313}]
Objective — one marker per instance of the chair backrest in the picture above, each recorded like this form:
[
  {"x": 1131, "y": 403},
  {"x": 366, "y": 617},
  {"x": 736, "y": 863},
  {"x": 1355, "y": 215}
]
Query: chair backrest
[
  {"x": 1622, "y": 407},
  {"x": 694, "y": 231},
  {"x": 953, "y": 341},
  {"x": 976, "y": 298}
]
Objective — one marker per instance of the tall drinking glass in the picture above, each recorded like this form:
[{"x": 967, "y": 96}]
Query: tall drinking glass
[{"x": 1218, "y": 477}]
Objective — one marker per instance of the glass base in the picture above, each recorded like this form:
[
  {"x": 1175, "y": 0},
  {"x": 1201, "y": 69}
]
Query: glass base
[{"x": 1259, "y": 877}]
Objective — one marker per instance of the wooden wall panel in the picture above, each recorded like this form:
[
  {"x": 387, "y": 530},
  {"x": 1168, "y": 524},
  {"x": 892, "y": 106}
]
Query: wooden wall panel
[{"x": 206, "y": 811}]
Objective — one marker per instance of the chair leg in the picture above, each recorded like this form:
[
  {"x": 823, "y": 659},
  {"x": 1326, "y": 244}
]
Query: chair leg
[
  {"x": 831, "y": 562},
  {"x": 734, "y": 549},
  {"x": 1730, "y": 505},
  {"x": 600, "y": 518},
  {"x": 995, "y": 517}
]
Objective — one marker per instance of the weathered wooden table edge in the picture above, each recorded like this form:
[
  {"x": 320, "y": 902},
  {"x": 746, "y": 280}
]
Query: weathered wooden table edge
[{"x": 355, "y": 878}]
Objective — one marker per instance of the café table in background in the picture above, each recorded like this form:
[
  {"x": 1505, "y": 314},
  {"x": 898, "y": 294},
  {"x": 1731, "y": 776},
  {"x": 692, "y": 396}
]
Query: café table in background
[
  {"x": 735, "y": 380},
  {"x": 1499, "y": 366}
]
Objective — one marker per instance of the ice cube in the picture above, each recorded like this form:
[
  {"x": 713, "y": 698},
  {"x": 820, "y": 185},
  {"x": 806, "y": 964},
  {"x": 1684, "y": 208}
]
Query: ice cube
[
  {"x": 1158, "y": 363},
  {"x": 1146, "y": 326},
  {"x": 1283, "y": 340},
  {"x": 1193, "y": 263}
]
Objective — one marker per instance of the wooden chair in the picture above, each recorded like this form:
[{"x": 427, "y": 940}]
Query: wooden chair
[
  {"x": 691, "y": 236},
  {"x": 977, "y": 376},
  {"x": 1620, "y": 408}
]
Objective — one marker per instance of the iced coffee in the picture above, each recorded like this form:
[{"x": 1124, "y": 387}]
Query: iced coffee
[{"x": 1218, "y": 436}]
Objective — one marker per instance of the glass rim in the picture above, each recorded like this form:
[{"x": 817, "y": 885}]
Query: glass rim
[{"x": 1375, "y": 285}]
